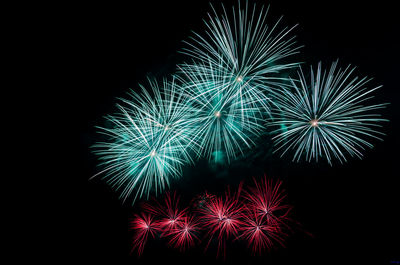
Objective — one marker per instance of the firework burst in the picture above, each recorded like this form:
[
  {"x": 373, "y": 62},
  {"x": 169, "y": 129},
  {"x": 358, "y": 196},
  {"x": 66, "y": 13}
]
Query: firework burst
[
  {"x": 183, "y": 236},
  {"x": 221, "y": 216},
  {"x": 144, "y": 226},
  {"x": 259, "y": 233},
  {"x": 329, "y": 117},
  {"x": 169, "y": 213},
  {"x": 249, "y": 51},
  {"x": 224, "y": 125},
  {"x": 266, "y": 199},
  {"x": 148, "y": 142}
]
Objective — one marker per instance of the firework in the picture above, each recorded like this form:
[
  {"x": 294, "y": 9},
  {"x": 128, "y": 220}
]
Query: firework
[
  {"x": 148, "y": 142},
  {"x": 183, "y": 235},
  {"x": 221, "y": 216},
  {"x": 266, "y": 199},
  {"x": 224, "y": 125},
  {"x": 259, "y": 233},
  {"x": 265, "y": 216},
  {"x": 169, "y": 213},
  {"x": 328, "y": 117},
  {"x": 144, "y": 226},
  {"x": 248, "y": 50}
]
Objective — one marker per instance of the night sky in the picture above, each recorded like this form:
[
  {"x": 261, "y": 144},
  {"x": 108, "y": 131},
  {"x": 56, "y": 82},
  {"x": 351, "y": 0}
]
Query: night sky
[{"x": 351, "y": 210}]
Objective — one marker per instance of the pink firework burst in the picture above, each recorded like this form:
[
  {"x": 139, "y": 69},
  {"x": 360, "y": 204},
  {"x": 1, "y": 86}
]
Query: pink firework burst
[
  {"x": 259, "y": 233},
  {"x": 169, "y": 213},
  {"x": 143, "y": 225},
  {"x": 267, "y": 200},
  {"x": 183, "y": 236},
  {"x": 221, "y": 216}
]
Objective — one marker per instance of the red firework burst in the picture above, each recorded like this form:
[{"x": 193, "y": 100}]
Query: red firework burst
[
  {"x": 183, "y": 235},
  {"x": 221, "y": 216},
  {"x": 144, "y": 225},
  {"x": 266, "y": 199},
  {"x": 259, "y": 233},
  {"x": 170, "y": 214}
]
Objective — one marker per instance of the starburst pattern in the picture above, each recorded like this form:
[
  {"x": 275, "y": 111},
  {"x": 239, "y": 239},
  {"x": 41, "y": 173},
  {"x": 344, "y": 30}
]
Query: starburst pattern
[
  {"x": 144, "y": 226},
  {"x": 169, "y": 213},
  {"x": 224, "y": 125},
  {"x": 267, "y": 200},
  {"x": 259, "y": 233},
  {"x": 250, "y": 51},
  {"x": 328, "y": 117},
  {"x": 183, "y": 236},
  {"x": 221, "y": 216},
  {"x": 148, "y": 142}
]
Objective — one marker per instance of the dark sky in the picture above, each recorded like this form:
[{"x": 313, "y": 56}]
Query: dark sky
[{"x": 350, "y": 209}]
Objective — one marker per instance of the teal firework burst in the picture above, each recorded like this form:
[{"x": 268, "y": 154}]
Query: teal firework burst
[
  {"x": 148, "y": 142},
  {"x": 328, "y": 117},
  {"x": 225, "y": 126},
  {"x": 247, "y": 49}
]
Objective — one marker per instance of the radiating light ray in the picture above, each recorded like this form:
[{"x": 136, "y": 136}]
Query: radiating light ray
[
  {"x": 183, "y": 236},
  {"x": 148, "y": 142},
  {"x": 224, "y": 125},
  {"x": 144, "y": 226},
  {"x": 259, "y": 233},
  {"x": 329, "y": 117},
  {"x": 222, "y": 218},
  {"x": 267, "y": 199},
  {"x": 169, "y": 213},
  {"x": 249, "y": 50}
]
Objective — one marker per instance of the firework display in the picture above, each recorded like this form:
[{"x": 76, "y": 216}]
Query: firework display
[
  {"x": 236, "y": 87},
  {"x": 328, "y": 117},
  {"x": 223, "y": 101},
  {"x": 231, "y": 217}
]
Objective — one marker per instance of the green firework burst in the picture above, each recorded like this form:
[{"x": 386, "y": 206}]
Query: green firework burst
[
  {"x": 149, "y": 140},
  {"x": 329, "y": 117}
]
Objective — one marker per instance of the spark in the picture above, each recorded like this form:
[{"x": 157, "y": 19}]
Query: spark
[{"x": 314, "y": 123}]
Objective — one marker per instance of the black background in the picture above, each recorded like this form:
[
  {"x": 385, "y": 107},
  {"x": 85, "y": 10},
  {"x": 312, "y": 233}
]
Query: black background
[{"x": 350, "y": 210}]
